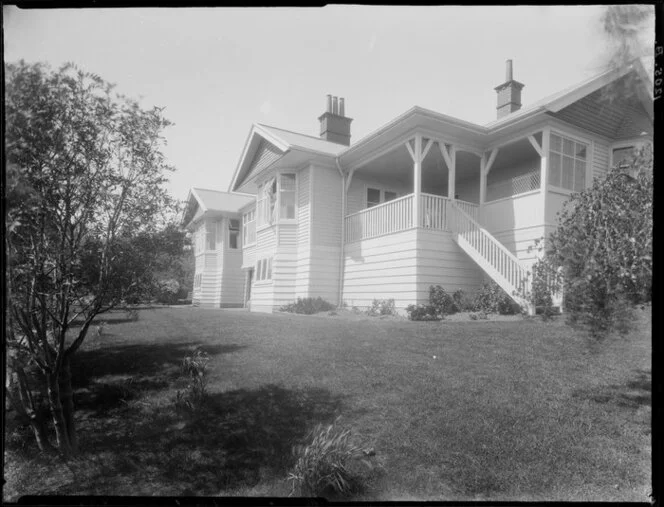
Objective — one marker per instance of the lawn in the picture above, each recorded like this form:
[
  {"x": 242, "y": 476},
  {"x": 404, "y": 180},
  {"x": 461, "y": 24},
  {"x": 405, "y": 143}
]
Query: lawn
[{"x": 507, "y": 410}]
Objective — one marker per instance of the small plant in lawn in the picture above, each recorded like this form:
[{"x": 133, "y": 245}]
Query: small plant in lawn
[
  {"x": 194, "y": 367},
  {"x": 382, "y": 307},
  {"x": 327, "y": 464},
  {"x": 132, "y": 314},
  {"x": 473, "y": 316},
  {"x": 308, "y": 306}
]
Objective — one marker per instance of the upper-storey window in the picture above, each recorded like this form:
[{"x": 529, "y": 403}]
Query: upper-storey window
[
  {"x": 621, "y": 157},
  {"x": 287, "y": 196},
  {"x": 233, "y": 233},
  {"x": 567, "y": 165},
  {"x": 249, "y": 227},
  {"x": 276, "y": 200},
  {"x": 210, "y": 236}
]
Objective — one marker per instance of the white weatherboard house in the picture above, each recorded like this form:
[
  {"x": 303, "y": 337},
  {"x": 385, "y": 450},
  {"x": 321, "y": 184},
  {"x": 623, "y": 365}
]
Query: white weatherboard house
[
  {"x": 427, "y": 198},
  {"x": 214, "y": 221}
]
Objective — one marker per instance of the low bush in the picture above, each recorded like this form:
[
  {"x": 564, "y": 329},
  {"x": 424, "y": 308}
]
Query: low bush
[
  {"x": 328, "y": 464},
  {"x": 382, "y": 307},
  {"x": 491, "y": 298},
  {"x": 167, "y": 291},
  {"x": 308, "y": 306},
  {"x": 463, "y": 301},
  {"x": 422, "y": 312},
  {"x": 441, "y": 300}
]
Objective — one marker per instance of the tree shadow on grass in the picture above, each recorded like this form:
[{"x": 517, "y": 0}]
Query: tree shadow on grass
[
  {"x": 236, "y": 439},
  {"x": 104, "y": 378},
  {"x": 633, "y": 394}
]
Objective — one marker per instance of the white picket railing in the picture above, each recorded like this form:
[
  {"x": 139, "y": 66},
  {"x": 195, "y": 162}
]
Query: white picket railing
[
  {"x": 397, "y": 215},
  {"x": 433, "y": 211},
  {"x": 496, "y": 260},
  {"x": 385, "y": 218}
]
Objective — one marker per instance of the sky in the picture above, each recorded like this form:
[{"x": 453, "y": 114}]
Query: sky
[{"x": 219, "y": 70}]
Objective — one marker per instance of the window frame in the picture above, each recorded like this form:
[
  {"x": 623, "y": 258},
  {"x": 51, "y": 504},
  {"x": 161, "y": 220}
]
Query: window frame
[
  {"x": 588, "y": 162},
  {"x": 210, "y": 227},
  {"x": 261, "y": 208},
  {"x": 245, "y": 227},
  {"x": 238, "y": 236},
  {"x": 381, "y": 194},
  {"x": 626, "y": 143},
  {"x": 263, "y": 271}
]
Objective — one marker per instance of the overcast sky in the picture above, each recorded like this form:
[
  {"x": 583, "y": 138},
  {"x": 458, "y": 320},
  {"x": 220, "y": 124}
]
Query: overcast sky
[{"x": 218, "y": 70}]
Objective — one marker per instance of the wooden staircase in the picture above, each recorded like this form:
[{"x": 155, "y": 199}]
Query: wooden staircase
[{"x": 491, "y": 255}]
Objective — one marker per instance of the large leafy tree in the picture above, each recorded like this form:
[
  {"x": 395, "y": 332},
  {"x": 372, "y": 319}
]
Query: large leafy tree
[{"x": 85, "y": 195}]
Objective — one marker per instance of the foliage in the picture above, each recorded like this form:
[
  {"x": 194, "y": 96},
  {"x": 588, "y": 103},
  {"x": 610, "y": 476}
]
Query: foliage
[
  {"x": 463, "y": 301},
  {"x": 194, "y": 368},
  {"x": 382, "y": 307},
  {"x": 491, "y": 298},
  {"x": 423, "y": 312},
  {"x": 85, "y": 197},
  {"x": 604, "y": 246},
  {"x": 168, "y": 291},
  {"x": 441, "y": 301},
  {"x": 325, "y": 464},
  {"x": 308, "y": 306}
]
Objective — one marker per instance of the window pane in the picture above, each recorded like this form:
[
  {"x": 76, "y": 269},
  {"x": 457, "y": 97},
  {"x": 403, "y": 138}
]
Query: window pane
[
  {"x": 568, "y": 146},
  {"x": 556, "y": 143},
  {"x": 579, "y": 175},
  {"x": 233, "y": 237},
  {"x": 373, "y": 197},
  {"x": 390, "y": 196},
  {"x": 269, "y": 269},
  {"x": 287, "y": 205},
  {"x": 211, "y": 236},
  {"x": 288, "y": 182},
  {"x": 622, "y": 156},
  {"x": 568, "y": 173},
  {"x": 580, "y": 151},
  {"x": 554, "y": 169}
]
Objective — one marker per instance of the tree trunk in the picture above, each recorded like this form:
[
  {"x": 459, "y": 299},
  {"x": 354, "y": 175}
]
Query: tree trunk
[
  {"x": 25, "y": 406},
  {"x": 67, "y": 400},
  {"x": 57, "y": 413}
]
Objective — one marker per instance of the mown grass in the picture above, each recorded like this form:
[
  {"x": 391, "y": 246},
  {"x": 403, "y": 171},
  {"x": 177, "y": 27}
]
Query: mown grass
[{"x": 507, "y": 410}]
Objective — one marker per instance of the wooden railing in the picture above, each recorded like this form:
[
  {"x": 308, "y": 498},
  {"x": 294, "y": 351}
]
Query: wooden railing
[
  {"x": 492, "y": 256},
  {"x": 385, "y": 218},
  {"x": 433, "y": 214},
  {"x": 397, "y": 215}
]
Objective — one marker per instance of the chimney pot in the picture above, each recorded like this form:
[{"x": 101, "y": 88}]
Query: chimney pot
[
  {"x": 329, "y": 103},
  {"x": 335, "y": 105},
  {"x": 342, "y": 107},
  {"x": 508, "y": 70}
]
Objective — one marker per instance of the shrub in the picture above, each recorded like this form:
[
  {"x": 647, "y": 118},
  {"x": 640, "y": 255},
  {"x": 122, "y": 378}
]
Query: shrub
[
  {"x": 441, "y": 300},
  {"x": 463, "y": 301},
  {"x": 382, "y": 307},
  {"x": 422, "y": 312},
  {"x": 491, "y": 298},
  {"x": 604, "y": 244},
  {"x": 308, "y": 306},
  {"x": 167, "y": 291},
  {"x": 325, "y": 464}
]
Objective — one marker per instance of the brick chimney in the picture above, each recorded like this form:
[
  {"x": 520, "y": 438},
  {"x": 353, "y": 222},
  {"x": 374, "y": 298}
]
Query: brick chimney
[
  {"x": 334, "y": 125},
  {"x": 509, "y": 93}
]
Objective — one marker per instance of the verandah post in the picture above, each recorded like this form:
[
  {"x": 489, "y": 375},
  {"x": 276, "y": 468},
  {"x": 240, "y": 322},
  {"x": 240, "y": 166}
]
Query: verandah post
[{"x": 417, "y": 179}]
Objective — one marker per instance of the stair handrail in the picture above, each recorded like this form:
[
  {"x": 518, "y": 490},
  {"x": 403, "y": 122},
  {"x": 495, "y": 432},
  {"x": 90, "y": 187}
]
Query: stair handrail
[{"x": 521, "y": 269}]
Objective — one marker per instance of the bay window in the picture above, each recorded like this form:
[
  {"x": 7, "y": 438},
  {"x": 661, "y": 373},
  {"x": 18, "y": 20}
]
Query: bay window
[
  {"x": 276, "y": 200},
  {"x": 567, "y": 163}
]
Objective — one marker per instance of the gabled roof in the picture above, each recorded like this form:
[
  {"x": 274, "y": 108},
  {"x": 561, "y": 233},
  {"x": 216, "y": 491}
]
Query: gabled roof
[
  {"x": 201, "y": 201},
  {"x": 287, "y": 141}
]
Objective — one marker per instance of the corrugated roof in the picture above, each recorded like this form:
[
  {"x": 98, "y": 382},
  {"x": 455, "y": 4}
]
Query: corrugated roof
[
  {"x": 213, "y": 200},
  {"x": 303, "y": 141}
]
